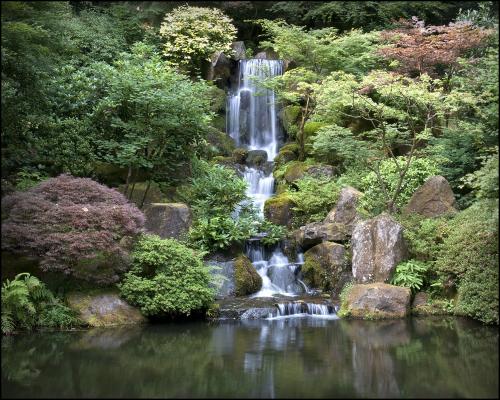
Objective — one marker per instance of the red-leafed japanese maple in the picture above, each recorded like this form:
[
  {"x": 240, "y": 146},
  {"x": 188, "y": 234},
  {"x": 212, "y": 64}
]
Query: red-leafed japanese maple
[
  {"x": 433, "y": 50},
  {"x": 73, "y": 225}
]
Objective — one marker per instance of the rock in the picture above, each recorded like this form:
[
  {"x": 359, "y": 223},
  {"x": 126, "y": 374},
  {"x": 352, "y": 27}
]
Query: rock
[
  {"x": 294, "y": 171},
  {"x": 223, "y": 142},
  {"x": 376, "y": 300},
  {"x": 420, "y": 299},
  {"x": 240, "y": 155},
  {"x": 267, "y": 55},
  {"x": 258, "y": 313},
  {"x": 284, "y": 156},
  {"x": 238, "y": 50},
  {"x": 256, "y": 158},
  {"x": 168, "y": 220},
  {"x": 378, "y": 246},
  {"x": 422, "y": 306},
  {"x": 317, "y": 232},
  {"x": 104, "y": 308},
  {"x": 219, "y": 69},
  {"x": 278, "y": 210},
  {"x": 247, "y": 279},
  {"x": 321, "y": 171},
  {"x": 344, "y": 211},
  {"x": 153, "y": 195},
  {"x": 324, "y": 266},
  {"x": 432, "y": 199}
]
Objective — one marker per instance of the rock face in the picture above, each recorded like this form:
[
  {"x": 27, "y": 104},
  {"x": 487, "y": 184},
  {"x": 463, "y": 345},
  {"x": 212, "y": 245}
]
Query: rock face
[
  {"x": 168, "y": 220},
  {"x": 219, "y": 69},
  {"x": 317, "y": 232},
  {"x": 239, "y": 50},
  {"x": 320, "y": 171},
  {"x": 247, "y": 279},
  {"x": 324, "y": 266},
  {"x": 279, "y": 211},
  {"x": 256, "y": 157},
  {"x": 104, "y": 308},
  {"x": 378, "y": 247},
  {"x": 345, "y": 210},
  {"x": 432, "y": 199},
  {"x": 376, "y": 300}
]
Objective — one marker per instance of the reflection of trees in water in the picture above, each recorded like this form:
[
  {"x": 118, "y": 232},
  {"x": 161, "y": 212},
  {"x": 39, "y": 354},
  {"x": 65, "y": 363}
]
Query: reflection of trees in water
[{"x": 281, "y": 358}]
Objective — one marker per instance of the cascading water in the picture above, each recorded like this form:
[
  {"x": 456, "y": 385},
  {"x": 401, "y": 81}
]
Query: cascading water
[{"x": 252, "y": 123}]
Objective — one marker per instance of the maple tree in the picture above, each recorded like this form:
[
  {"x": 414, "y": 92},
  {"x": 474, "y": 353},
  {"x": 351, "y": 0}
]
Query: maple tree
[{"x": 433, "y": 50}]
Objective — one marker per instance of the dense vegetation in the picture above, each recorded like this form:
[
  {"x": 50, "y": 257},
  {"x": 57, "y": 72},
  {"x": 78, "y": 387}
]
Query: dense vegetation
[{"x": 378, "y": 96}]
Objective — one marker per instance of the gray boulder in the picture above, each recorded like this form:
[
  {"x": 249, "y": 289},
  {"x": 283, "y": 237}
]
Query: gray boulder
[
  {"x": 376, "y": 300},
  {"x": 344, "y": 211},
  {"x": 321, "y": 171},
  {"x": 378, "y": 246},
  {"x": 168, "y": 220},
  {"x": 317, "y": 232},
  {"x": 432, "y": 199},
  {"x": 239, "y": 50}
]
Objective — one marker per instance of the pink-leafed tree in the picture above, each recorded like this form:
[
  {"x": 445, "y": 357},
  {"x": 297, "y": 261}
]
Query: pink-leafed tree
[{"x": 72, "y": 225}]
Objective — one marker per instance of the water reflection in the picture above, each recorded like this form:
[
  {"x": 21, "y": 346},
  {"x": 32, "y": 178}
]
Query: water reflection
[{"x": 295, "y": 357}]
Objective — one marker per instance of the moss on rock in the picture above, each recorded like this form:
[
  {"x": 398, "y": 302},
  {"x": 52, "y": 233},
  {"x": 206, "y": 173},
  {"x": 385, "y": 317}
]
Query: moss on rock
[
  {"x": 279, "y": 210},
  {"x": 223, "y": 143},
  {"x": 294, "y": 171},
  {"x": 154, "y": 195},
  {"x": 247, "y": 280}
]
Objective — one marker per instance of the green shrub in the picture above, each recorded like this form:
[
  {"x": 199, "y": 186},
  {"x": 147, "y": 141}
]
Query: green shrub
[
  {"x": 410, "y": 274},
  {"x": 274, "y": 233},
  {"x": 469, "y": 258},
  {"x": 28, "y": 304},
  {"x": 373, "y": 200},
  {"x": 166, "y": 279}
]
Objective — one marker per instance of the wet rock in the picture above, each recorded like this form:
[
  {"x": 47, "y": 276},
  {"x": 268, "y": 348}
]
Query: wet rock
[
  {"x": 168, "y": 220},
  {"x": 317, "y": 232},
  {"x": 247, "y": 279},
  {"x": 240, "y": 155},
  {"x": 344, "y": 211},
  {"x": 104, "y": 308},
  {"x": 258, "y": 313},
  {"x": 432, "y": 199},
  {"x": 238, "y": 50},
  {"x": 278, "y": 210},
  {"x": 378, "y": 246},
  {"x": 256, "y": 158},
  {"x": 376, "y": 300},
  {"x": 325, "y": 267}
]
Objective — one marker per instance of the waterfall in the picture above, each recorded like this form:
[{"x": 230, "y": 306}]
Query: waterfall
[{"x": 252, "y": 122}]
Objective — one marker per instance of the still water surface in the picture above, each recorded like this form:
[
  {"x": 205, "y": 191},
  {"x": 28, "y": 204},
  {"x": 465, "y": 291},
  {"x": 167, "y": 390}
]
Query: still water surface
[{"x": 295, "y": 357}]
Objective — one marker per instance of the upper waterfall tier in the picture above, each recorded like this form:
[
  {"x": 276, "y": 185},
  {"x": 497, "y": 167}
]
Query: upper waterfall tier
[{"x": 252, "y": 121}]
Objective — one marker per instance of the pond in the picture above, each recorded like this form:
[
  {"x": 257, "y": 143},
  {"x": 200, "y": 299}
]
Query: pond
[{"x": 290, "y": 357}]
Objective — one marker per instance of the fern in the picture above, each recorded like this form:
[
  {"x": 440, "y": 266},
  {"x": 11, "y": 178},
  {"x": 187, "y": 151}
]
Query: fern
[{"x": 410, "y": 274}]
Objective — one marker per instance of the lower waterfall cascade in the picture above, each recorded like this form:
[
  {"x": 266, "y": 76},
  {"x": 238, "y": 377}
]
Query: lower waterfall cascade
[{"x": 252, "y": 123}]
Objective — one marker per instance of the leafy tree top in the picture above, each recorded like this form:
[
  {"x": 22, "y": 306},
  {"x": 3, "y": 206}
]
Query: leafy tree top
[{"x": 193, "y": 34}]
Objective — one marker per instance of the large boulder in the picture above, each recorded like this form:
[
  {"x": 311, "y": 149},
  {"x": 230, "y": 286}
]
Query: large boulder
[
  {"x": 103, "y": 308},
  {"x": 378, "y": 246},
  {"x": 317, "y": 232},
  {"x": 376, "y": 300},
  {"x": 325, "y": 266},
  {"x": 256, "y": 158},
  {"x": 344, "y": 211},
  {"x": 168, "y": 220},
  {"x": 219, "y": 69},
  {"x": 247, "y": 279},
  {"x": 432, "y": 199},
  {"x": 320, "y": 171},
  {"x": 238, "y": 50},
  {"x": 279, "y": 210}
]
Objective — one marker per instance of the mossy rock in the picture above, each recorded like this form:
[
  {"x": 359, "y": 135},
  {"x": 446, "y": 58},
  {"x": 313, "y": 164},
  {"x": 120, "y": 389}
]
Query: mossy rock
[
  {"x": 222, "y": 142},
  {"x": 281, "y": 188},
  {"x": 279, "y": 210},
  {"x": 311, "y": 128},
  {"x": 100, "y": 308},
  {"x": 285, "y": 156},
  {"x": 294, "y": 171},
  {"x": 325, "y": 267},
  {"x": 247, "y": 279},
  {"x": 154, "y": 195},
  {"x": 240, "y": 155},
  {"x": 293, "y": 147},
  {"x": 289, "y": 116}
]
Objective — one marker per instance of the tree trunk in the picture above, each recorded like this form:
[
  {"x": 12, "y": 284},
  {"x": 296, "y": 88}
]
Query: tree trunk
[
  {"x": 129, "y": 174},
  {"x": 145, "y": 194}
]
